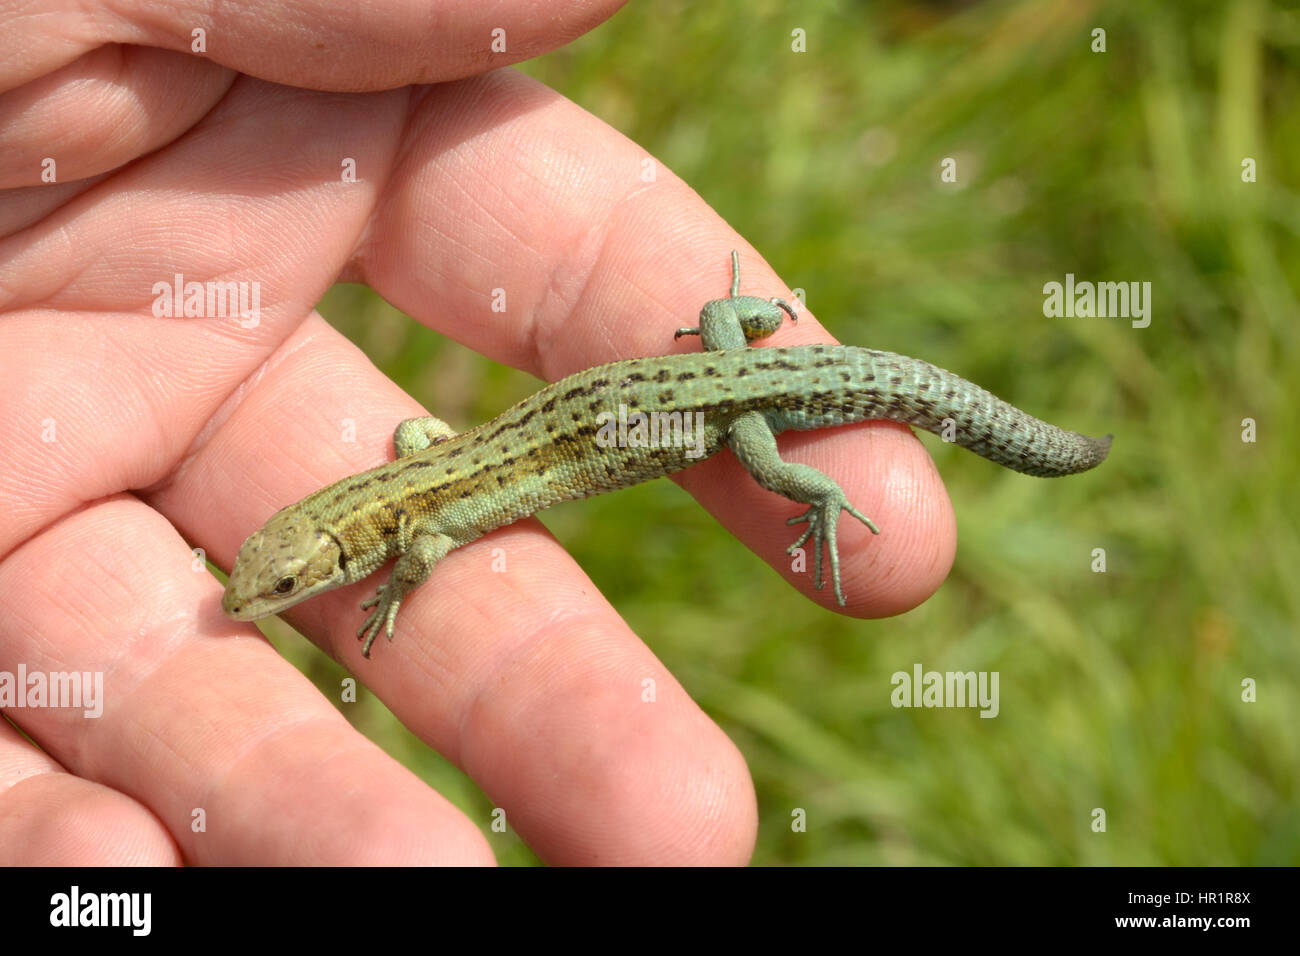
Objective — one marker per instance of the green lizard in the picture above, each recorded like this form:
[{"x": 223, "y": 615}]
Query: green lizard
[{"x": 444, "y": 490}]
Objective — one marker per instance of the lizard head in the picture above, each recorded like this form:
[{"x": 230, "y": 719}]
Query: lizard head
[{"x": 289, "y": 560}]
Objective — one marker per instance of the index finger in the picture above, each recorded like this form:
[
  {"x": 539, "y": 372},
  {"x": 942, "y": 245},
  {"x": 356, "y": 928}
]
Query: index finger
[{"x": 598, "y": 253}]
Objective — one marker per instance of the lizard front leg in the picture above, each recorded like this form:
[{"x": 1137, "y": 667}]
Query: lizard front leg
[
  {"x": 422, "y": 550},
  {"x": 411, "y": 570},
  {"x": 751, "y": 439}
]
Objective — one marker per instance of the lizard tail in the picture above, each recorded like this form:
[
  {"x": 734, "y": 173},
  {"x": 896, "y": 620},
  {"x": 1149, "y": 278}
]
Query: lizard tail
[
  {"x": 885, "y": 385},
  {"x": 960, "y": 411}
]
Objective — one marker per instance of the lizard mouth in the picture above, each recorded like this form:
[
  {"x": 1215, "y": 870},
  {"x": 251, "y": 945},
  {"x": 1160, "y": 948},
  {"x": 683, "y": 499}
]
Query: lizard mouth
[{"x": 235, "y": 608}]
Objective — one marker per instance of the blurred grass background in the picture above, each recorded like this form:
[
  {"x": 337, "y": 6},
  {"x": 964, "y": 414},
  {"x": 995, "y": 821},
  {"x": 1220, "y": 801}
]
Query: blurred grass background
[{"x": 1120, "y": 690}]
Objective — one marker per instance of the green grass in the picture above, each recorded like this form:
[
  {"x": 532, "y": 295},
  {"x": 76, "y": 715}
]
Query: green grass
[{"x": 1119, "y": 690}]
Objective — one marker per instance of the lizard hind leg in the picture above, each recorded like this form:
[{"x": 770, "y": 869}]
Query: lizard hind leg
[
  {"x": 821, "y": 517},
  {"x": 751, "y": 440},
  {"x": 417, "y": 434}
]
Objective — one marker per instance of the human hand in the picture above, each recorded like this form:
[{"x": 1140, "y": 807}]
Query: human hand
[{"x": 135, "y": 437}]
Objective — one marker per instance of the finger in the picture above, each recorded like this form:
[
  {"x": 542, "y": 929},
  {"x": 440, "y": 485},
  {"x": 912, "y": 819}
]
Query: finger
[
  {"x": 108, "y": 395},
  {"x": 509, "y": 662},
  {"x": 48, "y": 817},
  {"x": 102, "y": 110},
  {"x": 90, "y": 89},
  {"x": 232, "y": 749},
  {"x": 584, "y": 280},
  {"x": 595, "y": 263},
  {"x": 313, "y": 44}
]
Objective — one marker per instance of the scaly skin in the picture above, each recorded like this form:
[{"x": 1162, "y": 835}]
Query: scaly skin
[{"x": 444, "y": 490}]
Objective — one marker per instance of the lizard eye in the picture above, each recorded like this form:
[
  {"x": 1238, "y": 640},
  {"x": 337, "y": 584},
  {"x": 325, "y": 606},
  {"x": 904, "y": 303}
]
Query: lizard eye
[{"x": 284, "y": 585}]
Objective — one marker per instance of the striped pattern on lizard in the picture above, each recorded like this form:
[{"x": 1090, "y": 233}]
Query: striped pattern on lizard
[{"x": 444, "y": 489}]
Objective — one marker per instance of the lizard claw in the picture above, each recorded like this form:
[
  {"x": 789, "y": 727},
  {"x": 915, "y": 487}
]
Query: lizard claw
[
  {"x": 822, "y": 517},
  {"x": 381, "y": 618}
]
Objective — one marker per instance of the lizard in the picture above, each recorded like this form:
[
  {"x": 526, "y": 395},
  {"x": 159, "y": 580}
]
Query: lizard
[{"x": 444, "y": 489}]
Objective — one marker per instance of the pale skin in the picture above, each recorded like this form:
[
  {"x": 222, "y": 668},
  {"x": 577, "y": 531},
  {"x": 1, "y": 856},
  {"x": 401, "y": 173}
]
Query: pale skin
[{"x": 132, "y": 439}]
